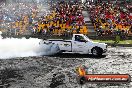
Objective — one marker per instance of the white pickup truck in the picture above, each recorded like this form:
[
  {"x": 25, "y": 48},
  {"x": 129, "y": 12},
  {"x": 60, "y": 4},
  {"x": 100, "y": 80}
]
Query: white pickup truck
[{"x": 79, "y": 44}]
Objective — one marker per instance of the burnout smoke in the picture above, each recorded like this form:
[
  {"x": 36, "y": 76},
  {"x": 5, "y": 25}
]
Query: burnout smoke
[{"x": 14, "y": 47}]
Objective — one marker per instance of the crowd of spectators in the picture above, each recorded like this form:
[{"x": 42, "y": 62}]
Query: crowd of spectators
[
  {"x": 110, "y": 18},
  {"x": 17, "y": 16},
  {"x": 65, "y": 19}
]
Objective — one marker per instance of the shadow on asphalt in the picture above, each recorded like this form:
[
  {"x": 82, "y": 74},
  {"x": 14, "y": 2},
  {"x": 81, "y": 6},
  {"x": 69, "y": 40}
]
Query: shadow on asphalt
[{"x": 67, "y": 55}]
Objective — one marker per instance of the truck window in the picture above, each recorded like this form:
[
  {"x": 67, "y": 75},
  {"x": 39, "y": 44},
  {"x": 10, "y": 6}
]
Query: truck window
[{"x": 79, "y": 38}]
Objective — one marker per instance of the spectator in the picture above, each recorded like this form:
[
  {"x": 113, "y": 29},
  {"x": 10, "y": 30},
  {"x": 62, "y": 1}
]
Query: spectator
[{"x": 110, "y": 16}]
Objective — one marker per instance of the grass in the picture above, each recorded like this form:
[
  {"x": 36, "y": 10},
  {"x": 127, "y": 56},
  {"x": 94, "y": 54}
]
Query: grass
[{"x": 112, "y": 41}]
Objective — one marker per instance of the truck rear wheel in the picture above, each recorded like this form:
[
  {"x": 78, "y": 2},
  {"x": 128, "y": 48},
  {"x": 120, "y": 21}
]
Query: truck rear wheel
[{"x": 97, "y": 51}]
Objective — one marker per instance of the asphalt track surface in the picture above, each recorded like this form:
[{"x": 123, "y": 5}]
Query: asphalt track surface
[{"x": 58, "y": 71}]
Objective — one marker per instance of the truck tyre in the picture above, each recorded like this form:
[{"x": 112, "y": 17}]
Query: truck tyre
[{"x": 96, "y": 51}]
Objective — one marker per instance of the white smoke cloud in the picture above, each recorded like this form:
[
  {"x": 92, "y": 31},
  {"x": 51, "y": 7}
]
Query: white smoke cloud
[{"x": 14, "y": 47}]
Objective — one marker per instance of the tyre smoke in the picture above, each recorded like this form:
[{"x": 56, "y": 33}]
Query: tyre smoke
[{"x": 14, "y": 47}]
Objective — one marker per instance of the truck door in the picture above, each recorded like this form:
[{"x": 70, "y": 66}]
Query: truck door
[{"x": 79, "y": 44}]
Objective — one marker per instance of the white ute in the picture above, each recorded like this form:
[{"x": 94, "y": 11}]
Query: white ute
[{"x": 79, "y": 44}]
